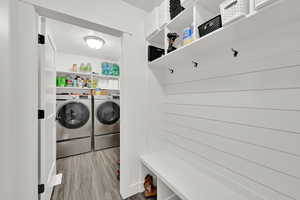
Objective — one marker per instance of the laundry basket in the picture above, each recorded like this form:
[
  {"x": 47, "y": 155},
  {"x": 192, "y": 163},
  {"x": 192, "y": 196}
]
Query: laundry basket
[{"x": 232, "y": 10}]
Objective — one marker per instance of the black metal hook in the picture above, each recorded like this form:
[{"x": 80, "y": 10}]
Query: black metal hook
[
  {"x": 171, "y": 70},
  {"x": 235, "y": 52},
  {"x": 195, "y": 64}
]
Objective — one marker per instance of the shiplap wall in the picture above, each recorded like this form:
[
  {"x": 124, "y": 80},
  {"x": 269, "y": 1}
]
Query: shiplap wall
[{"x": 239, "y": 117}]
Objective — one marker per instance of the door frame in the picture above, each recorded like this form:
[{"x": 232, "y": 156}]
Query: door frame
[
  {"x": 49, "y": 14},
  {"x": 46, "y": 171}
]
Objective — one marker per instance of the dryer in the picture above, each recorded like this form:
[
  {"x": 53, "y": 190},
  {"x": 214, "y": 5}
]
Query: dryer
[
  {"x": 74, "y": 125},
  {"x": 106, "y": 122}
]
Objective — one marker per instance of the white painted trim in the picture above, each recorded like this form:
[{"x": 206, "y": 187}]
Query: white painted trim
[
  {"x": 51, "y": 116},
  {"x": 52, "y": 43},
  {"x": 173, "y": 196},
  {"x": 55, "y": 180},
  {"x": 133, "y": 189},
  {"x": 51, "y": 174}
]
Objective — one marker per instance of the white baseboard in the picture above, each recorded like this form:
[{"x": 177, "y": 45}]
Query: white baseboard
[
  {"x": 172, "y": 197},
  {"x": 52, "y": 172},
  {"x": 56, "y": 180},
  {"x": 133, "y": 189}
]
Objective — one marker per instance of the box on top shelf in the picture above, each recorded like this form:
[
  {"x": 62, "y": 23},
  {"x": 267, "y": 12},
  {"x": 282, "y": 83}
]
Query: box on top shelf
[
  {"x": 154, "y": 53},
  {"x": 110, "y": 69},
  {"x": 187, "y": 3},
  {"x": 157, "y": 18},
  {"x": 175, "y": 8},
  {"x": 163, "y": 13},
  {"x": 210, "y": 26},
  {"x": 232, "y": 10},
  {"x": 152, "y": 22}
]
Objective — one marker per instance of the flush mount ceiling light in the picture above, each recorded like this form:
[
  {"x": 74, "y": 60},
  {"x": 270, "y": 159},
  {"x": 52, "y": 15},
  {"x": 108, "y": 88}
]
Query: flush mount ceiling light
[{"x": 94, "y": 42}]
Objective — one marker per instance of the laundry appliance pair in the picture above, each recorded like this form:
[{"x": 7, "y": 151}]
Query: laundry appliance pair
[{"x": 86, "y": 123}]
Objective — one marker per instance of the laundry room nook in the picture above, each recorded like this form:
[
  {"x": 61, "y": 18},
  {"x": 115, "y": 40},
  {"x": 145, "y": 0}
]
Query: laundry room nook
[
  {"x": 150, "y": 100},
  {"x": 87, "y": 89}
]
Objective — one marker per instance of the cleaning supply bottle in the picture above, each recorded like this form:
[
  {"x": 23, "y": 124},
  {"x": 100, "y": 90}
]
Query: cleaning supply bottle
[
  {"x": 82, "y": 67},
  {"x": 188, "y": 35}
]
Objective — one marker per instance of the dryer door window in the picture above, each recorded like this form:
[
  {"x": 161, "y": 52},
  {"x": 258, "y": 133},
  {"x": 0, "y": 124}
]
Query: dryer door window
[
  {"x": 108, "y": 113},
  {"x": 73, "y": 115}
]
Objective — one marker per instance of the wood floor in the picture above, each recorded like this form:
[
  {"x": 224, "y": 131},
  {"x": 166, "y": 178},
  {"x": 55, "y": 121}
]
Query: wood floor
[{"x": 90, "y": 176}]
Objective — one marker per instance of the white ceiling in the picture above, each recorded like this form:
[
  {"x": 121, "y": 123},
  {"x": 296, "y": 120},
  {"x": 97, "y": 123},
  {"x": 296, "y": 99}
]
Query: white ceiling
[
  {"x": 69, "y": 39},
  {"x": 146, "y": 5}
]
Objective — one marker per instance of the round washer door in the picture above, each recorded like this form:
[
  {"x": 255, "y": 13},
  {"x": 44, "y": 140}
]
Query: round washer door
[
  {"x": 108, "y": 113},
  {"x": 73, "y": 115}
]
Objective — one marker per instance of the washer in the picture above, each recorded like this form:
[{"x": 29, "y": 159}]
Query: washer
[
  {"x": 106, "y": 122},
  {"x": 74, "y": 125}
]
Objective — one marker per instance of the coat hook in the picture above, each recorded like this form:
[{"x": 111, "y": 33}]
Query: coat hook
[
  {"x": 171, "y": 70},
  {"x": 195, "y": 64},
  {"x": 235, "y": 52}
]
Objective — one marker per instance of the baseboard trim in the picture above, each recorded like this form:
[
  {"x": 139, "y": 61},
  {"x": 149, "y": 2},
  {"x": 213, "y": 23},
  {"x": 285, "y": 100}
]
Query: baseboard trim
[
  {"x": 172, "y": 197},
  {"x": 132, "y": 190}
]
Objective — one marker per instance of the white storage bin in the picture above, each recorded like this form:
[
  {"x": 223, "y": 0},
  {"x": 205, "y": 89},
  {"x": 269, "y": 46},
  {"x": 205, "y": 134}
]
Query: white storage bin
[
  {"x": 187, "y": 3},
  {"x": 152, "y": 22},
  {"x": 232, "y": 10},
  {"x": 261, "y": 3},
  {"x": 164, "y": 14}
]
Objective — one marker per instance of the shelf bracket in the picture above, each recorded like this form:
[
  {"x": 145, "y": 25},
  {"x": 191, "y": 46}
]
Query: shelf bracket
[
  {"x": 235, "y": 52},
  {"x": 171, "y": 70},
  {"x": 195, "y": 64}
]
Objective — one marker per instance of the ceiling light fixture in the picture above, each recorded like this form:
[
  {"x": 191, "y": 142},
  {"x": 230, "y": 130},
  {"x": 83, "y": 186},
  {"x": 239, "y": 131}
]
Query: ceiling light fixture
[{"x": 94, "y": 42}]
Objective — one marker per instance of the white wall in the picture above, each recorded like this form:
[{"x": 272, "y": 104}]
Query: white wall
[
  {"x": 114, "y": 13},
  {"x": 119, "y": 15},
  {"x": 19, "y": 178},
  {"x": 239, "y": 117},
  {"x": 5, "y": 181}
]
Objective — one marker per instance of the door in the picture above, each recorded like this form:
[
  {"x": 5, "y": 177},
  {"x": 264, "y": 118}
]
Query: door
[{"x": 47, "y": 103}]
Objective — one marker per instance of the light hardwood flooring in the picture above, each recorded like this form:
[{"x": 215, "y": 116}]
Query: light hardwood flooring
[{"x": 90, "y": 176}]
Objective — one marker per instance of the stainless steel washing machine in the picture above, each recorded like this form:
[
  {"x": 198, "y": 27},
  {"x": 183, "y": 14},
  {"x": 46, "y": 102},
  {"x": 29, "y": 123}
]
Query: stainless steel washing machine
[
  {"x": 106, "y": 122},
  {"x": 74, "y": 125}
]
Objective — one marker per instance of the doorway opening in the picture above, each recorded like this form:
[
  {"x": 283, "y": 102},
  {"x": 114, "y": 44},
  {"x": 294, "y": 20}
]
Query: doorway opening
[{"x": 79, "y": 90}]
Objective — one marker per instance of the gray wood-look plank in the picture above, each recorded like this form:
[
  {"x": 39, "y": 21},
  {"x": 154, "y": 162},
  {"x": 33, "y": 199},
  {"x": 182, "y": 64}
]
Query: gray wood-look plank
[{"x": 90, "y": 176}]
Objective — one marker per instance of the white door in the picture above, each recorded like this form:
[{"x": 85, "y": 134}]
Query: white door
[{"x": 47, "y": 102}]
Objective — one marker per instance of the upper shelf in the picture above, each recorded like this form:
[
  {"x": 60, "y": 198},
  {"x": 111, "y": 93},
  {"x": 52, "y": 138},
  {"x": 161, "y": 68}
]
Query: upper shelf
[
  {"x": 74, "y": 73},
  {"x": 96, "y": 75},
  {"x": 269, "y": 20}
]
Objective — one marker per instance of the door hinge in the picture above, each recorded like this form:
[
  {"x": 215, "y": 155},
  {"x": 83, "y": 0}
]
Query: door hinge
[
  {"x": 41, "y": 39},
  {"x": 41, "y": 188},
  {"x": 41, "y": 114}
]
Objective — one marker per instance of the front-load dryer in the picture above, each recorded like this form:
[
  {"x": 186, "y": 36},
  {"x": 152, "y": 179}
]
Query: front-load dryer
[
  {"x": 106, "y": 122},
  {"x": 74, "y": 125}
]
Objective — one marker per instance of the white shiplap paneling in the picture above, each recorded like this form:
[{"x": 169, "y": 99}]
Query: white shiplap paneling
[{"x": 239, "y": 118}]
